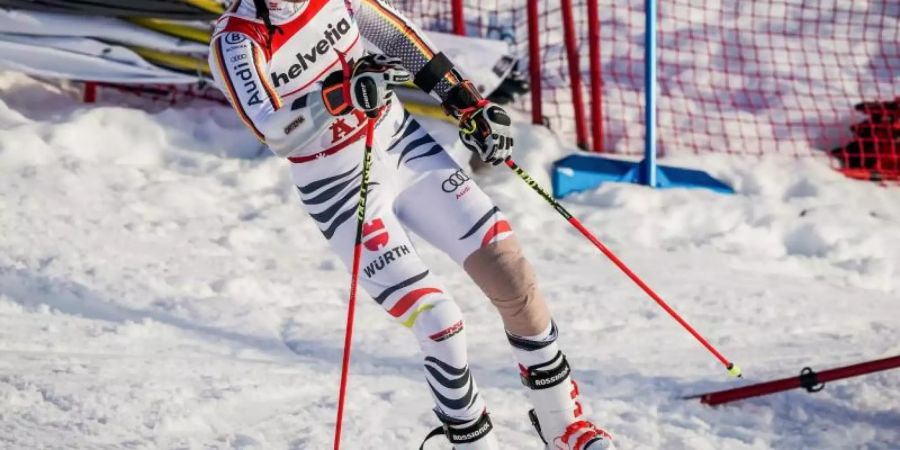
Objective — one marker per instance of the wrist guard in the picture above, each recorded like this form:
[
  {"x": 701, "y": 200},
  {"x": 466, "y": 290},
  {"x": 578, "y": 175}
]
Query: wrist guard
[
  {"x": 336, "y": 93},
  {"x": 463, "y": 100}
]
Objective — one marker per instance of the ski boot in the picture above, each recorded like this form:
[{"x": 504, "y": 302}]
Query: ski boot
[
  {"x": 472, "y": 435},
  {"x": 557, "y": 414}
]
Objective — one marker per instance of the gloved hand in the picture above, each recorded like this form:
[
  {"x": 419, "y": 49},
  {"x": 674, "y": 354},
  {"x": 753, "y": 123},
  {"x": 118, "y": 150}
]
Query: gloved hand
[
  {"x": 487, "y": 132},
  {"x": 484, "y": 127},
  {"x": 371, "y": 81}
]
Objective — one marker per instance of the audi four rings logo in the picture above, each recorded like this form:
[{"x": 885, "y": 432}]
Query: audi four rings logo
[{"x": 456, "y": 180}]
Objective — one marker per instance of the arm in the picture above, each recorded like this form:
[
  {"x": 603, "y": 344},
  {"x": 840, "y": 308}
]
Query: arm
[
  {"x": 393, "y": 34},
  {"x": 484, "y": 128},
  {"x": 236, "y": 63}
]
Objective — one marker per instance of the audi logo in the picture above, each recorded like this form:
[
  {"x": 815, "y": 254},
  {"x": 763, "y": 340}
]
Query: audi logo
[{"x": 459, "y": 178}]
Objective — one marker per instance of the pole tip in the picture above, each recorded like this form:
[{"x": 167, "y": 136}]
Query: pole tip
[{"x": 734, "y": 370}]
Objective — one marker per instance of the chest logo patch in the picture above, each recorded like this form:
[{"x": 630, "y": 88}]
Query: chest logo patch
[
  {"x": 305, "y": 59},
  {"x": 234, "y": 38}
]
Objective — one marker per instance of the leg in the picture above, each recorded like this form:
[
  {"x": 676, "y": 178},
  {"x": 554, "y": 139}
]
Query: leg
[
  {"x": 508, "y": 280},
  {"x": 443, "y": 205},
  {"x": 393, "y": 274},
  {"x": 449, "y": 210}
]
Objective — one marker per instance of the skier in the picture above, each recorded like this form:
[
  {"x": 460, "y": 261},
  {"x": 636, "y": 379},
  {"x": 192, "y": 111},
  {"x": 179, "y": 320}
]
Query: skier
[{"x": 305, "y": 76}]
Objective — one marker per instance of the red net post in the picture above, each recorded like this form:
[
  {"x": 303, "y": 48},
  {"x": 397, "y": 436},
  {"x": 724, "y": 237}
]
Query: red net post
[
  {"x": 534, "y": 65},
  {"x": 574, "y": 60},
  {"x": 593, "y": 12},
  {"x": 459, "y": 19},
  {"x": 90, "y": 92}
]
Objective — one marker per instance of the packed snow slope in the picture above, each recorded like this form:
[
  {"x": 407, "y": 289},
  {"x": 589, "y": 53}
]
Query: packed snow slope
[{"x": 160, "y": 287}]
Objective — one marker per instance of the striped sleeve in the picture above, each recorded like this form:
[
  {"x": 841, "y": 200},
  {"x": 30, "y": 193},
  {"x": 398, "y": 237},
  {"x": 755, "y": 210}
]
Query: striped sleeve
[
  {"x": 238, "y": 65},
  {"x": 393, "y": 34}
]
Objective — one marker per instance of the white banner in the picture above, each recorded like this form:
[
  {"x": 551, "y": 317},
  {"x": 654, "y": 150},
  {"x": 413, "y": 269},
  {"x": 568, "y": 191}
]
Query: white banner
[
  {"x": 81, "y": 59},
  {"x": 34, "y": 23}
]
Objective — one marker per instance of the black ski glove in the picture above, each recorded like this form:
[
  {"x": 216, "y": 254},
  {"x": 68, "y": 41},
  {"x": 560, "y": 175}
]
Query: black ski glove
[
  {"x": 368, "y": 87},
  {"x": 484, "y": 127}
]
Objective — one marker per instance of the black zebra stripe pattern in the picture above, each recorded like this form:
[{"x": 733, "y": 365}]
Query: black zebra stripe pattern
[
  {"x": 412, "y": 137},
  {"x": 324, "y": 191},
  {"x": 453, "y": 387}
]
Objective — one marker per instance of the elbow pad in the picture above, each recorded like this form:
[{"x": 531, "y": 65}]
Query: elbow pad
[{"x": 462, "y": 99}]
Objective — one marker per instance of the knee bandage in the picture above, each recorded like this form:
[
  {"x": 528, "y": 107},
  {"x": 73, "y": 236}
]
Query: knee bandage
[{"x": 508, "y": 280}]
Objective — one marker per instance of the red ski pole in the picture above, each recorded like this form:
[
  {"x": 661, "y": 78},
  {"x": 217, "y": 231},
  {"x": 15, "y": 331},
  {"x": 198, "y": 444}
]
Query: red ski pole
[
  {"x": 354, "y": 278},
  {"x": 733, "y": 369}
]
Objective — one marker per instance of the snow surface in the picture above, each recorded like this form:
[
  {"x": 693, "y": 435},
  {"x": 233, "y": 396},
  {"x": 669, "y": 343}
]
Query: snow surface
[{"x": 161, "y": 288}]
